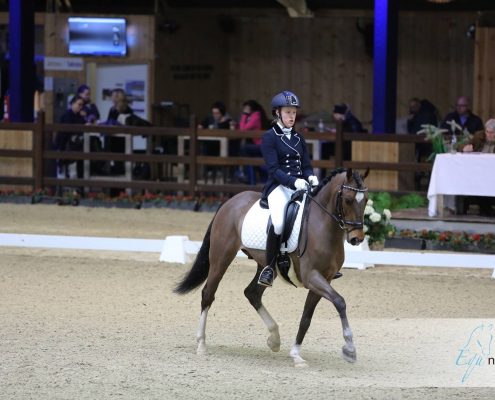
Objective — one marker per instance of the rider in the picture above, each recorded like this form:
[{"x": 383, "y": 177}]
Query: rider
[{"x": 289, "y": 169}]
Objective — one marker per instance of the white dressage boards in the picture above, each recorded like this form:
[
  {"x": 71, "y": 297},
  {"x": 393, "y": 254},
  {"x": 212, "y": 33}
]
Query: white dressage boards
[{"x": 179, "y": 249}]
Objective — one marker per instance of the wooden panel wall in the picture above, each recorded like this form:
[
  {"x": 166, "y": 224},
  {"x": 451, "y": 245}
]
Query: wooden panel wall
[
  {"x": 435, "y": 59},
  {"x": 140, "y": 46},
  {"x": 16, "y": 167},
  {"x": 192, "y": 62},
  {"x": 484, "y": 73}
]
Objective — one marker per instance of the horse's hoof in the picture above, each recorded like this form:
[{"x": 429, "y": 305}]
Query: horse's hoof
[
  {"x": 349, "y": 354},
  {"x": 273, "y": 343},
  {"x": 300, "y": 363},
  {"x": 201, "y": 351}
]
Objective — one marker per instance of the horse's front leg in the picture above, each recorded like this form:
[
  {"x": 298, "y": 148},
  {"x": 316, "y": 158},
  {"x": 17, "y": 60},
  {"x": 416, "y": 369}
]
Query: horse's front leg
[
  {"x": 309, "y": 308},
  {"x": 316, "y": 283}
]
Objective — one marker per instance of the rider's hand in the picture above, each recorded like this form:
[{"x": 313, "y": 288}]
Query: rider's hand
[
  {"x": 313, "y": 180},
  {"x": 300, "y": 184}
]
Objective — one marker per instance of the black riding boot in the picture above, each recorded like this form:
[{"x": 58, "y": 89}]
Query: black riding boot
[{"x": 272, "y": 249}]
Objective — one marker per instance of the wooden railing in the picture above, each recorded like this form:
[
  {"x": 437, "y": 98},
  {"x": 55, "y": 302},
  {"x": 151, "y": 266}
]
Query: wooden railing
[{"x": 42, "y": 152}]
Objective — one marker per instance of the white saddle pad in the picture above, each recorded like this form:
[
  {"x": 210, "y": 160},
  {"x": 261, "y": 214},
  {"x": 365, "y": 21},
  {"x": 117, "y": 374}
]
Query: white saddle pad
[{"x": 253, "y": 234}]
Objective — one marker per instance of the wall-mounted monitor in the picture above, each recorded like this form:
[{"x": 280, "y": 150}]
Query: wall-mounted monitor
[{"x": 97, "y": 36}]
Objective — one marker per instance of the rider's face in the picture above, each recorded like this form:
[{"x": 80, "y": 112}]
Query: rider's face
[{"x": 288, "y": 116}]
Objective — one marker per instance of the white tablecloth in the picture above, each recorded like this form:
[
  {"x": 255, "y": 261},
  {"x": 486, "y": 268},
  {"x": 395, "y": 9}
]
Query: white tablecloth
[{"x": 469, "y": 174}]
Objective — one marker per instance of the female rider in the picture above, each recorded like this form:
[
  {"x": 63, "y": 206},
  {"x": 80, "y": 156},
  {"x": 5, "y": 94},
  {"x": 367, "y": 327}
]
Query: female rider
[{"x": 289, "y": 169}]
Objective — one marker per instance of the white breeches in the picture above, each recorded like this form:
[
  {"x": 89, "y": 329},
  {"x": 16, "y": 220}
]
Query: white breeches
[{"x": 277, "y": 200}]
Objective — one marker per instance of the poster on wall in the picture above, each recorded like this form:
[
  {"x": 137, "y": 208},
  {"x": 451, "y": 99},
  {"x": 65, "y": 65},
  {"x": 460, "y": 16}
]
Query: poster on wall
[{"x": 133, "y": 80}]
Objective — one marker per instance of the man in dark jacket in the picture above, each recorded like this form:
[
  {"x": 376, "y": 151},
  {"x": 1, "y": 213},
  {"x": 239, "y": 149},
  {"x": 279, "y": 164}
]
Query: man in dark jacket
[{"x": 463, "y": 117}]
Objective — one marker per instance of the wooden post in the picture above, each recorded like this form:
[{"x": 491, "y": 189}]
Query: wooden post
[
  {"x": 193, "y": 153},
  {"x": 38, "y": 148},
  {"x": 339, "y": 145}
]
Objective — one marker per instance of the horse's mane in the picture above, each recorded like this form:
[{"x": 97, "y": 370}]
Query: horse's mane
[{"x": 355, "y": 174}]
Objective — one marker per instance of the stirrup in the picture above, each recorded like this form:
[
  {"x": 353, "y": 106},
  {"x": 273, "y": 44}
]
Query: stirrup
[{"x": 266, "y": 277}]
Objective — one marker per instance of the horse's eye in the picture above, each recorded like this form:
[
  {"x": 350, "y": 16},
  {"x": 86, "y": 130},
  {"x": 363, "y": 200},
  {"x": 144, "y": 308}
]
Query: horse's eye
[{"x": 349, "y": 201}]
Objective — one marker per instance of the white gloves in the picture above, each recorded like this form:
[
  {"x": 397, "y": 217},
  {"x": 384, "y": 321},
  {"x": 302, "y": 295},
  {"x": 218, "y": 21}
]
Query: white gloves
[
  {"x": 300, "y": 184},
  {"x": 313, "y": 180}
]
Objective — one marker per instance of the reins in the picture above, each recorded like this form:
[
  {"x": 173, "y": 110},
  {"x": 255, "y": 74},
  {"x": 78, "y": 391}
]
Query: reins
[{"x": 340, "y": 218}]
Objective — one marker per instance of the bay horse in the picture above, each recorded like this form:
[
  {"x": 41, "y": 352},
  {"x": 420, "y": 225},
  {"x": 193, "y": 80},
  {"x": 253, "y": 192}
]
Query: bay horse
[{"x": 336, "y": 208}]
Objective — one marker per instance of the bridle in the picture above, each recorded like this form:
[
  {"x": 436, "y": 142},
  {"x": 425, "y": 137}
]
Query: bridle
[{"x": 338, "y": 214}]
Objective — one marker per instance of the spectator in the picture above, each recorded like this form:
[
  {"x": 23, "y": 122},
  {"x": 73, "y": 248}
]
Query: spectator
[
  {"x": 342, "y": 112},
  {"x": 68, "y": 141},
  {"x": 89, "y": 110},
  {"x": 253, "y": 118},
  {"x": 463, "y": 117},
  {"x": 218, "y": 119},
  {"x": 118, "y": 95},
  {"x": 421, "y": 112},
  {"x": 350, "y": 124},
  {"x": 483, "y": 142}
]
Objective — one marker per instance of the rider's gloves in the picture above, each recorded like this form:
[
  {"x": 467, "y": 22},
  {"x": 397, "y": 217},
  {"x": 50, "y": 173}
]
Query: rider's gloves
[
  {"x": 313, "y": 180},
  {"x": 300, "y": 184}
]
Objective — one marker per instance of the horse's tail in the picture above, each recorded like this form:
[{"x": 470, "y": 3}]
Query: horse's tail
[{"x": 199, "y": 271}]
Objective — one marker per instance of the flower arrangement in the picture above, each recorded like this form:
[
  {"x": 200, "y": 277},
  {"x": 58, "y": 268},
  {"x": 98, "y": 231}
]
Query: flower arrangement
[
  {"x": 453, "y": 240},
  {"x": 434, "y": 134},
  {"x": 377, "y": 225}
]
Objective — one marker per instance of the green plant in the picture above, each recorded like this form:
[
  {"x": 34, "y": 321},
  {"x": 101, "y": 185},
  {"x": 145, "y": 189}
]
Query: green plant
[
  {"x": 377, "y": 225},
  {"x": 384, "y": 200}
]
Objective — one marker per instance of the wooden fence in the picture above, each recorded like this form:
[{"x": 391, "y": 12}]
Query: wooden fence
[{"x": 42, "y": 155}]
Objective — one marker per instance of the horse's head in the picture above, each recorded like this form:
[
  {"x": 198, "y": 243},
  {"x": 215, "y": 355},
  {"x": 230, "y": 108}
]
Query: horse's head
[{"x": 351, "y": 200}]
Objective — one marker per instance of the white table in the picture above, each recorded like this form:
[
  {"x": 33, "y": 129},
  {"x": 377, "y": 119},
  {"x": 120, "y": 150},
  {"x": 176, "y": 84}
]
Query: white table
[{"x": 468, "y": 174}]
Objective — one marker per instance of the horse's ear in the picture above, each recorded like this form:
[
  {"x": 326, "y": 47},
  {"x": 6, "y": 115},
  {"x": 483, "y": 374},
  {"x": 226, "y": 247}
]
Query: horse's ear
[
  {"x": 349, "y": 174},
  {"x": 366, "y": 173}
]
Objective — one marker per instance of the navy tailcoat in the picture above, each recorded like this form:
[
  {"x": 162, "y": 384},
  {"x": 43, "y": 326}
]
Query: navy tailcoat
[{"x": 286, "y": 159}]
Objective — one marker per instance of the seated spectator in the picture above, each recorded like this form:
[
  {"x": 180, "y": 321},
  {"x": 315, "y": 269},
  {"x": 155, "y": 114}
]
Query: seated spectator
[
  {"x": 350, "y": 124},
  {"x": 89, "y": 111},
  {"x": 253, "y": 118},
  {"x": 218, "y": 119},
  {"x": 342, "y": 112},
  {"x": 483, "y": 142},
  {"x": 421, "y": 112},
  {"x": 463, "y": 117}
]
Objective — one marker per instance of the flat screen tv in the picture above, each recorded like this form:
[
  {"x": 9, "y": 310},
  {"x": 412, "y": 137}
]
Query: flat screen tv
[{"x": 97, "y": 36}]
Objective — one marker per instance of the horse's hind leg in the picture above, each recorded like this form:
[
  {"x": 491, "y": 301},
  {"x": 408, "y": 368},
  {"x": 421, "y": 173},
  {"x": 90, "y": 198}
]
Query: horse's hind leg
[
  {"x": 312, "y": 301},
  {"x": 220, "y": 259},
  {"x": 254, "y": 292},
  {"x": 320, "y": 286}
]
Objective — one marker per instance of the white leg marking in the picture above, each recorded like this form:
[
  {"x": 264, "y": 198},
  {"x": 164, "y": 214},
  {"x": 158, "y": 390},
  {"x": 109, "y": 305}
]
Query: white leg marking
[
  {"x": 201, "y": 335},
  {"x": 273, "y": 340},
  {"x": 296, "y": 356}
]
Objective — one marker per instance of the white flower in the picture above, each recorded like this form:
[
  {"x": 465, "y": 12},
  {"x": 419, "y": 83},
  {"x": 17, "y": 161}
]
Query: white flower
[
  {"x": 368, "y": 210},
  {"x": 365, "y": 228},
  {"x": 375, "y": 217},
  {"x": 387, "y": 214},
  {"x": 370, "y": 202}
]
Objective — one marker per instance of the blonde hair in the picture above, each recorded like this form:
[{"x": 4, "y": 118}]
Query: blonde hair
[{"x": 490, "y": 124}]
